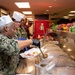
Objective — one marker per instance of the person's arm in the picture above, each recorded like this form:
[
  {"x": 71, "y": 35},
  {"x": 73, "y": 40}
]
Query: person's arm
[{"x": 24, "y": 43}]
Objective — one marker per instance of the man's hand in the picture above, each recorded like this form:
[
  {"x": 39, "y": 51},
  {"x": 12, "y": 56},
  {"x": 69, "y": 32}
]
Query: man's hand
[{"x": 36, "y": 43}]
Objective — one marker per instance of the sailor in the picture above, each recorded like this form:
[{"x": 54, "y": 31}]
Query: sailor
[
  {"x": 20, "y": 31},
  {"x": 9, "y": 47}
]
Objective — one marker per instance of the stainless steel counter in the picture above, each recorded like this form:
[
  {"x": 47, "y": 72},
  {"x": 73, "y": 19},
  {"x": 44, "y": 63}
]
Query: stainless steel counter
[
  {"x": 67, "y": 43},
  {"x": 26, "y": 66}
]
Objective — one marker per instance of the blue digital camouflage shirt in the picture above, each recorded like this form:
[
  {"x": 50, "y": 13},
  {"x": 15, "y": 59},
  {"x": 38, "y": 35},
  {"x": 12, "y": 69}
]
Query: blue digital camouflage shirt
[{"x": 9, "y": 55}]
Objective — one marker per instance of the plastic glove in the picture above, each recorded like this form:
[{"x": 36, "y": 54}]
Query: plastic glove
[{"x": 36, "y": 42}]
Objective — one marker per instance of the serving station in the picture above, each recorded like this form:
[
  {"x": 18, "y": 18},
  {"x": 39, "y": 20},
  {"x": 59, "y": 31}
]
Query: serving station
[{"x": 55, "y": 57}]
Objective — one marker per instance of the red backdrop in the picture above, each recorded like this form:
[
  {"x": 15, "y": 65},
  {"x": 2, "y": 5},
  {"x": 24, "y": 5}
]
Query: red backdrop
[{"x": 37, "y": 27}]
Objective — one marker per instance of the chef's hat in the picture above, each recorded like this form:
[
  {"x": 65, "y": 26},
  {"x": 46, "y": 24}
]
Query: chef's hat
[
  {"x": 5, "y": 20},
  {"x": 18, "y": 16}
]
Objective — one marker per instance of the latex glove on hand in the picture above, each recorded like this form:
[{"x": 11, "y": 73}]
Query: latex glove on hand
[{"x": 36, "y": 43}]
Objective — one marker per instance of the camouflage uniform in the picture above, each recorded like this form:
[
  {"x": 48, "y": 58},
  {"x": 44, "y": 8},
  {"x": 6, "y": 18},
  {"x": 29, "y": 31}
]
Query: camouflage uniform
[
  {"x": 21, "y": 33},
  {"x": 9, "y": 54},
  {"x": 17, "y": 34}
]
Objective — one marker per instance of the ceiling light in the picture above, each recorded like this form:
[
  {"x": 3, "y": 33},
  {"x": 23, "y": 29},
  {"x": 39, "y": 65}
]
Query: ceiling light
[
  {"x": 27, "y": 12},
  {"x": 45, "y": 13},
  {"x": 50, "y": 6},
  {"x": 66, "y": 17},
  {"x": 47, "y": 10},
  {"x": 71, "y": 15},
  {"x": 30, "y": 19},
  {"x": 22, "y": 4},
  {"x": 72, "y": 12},
  {"x": 69, "y": 49}
]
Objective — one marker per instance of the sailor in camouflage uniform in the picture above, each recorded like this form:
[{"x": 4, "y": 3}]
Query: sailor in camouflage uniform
[
  {"x": 16, "y": 30},
  {"x": 9, "y": 52},
  {"x": 9, "y": 47},
  {"x": 20, "y": 31}
]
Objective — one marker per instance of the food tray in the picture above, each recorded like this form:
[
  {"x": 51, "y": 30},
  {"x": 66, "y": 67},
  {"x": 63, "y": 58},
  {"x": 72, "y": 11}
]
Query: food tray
[{"x": 31, "y": 53}]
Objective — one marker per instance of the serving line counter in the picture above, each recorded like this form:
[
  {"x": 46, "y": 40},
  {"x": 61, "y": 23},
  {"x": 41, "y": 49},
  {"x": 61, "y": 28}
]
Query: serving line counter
[
  {"x": 52, "y": 65},
  {"x": 56, "y": 59},
  {"x": 58, "y": 62}
]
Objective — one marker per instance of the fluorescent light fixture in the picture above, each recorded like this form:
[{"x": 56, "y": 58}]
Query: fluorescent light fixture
[
  {"x": 66, "y": 17},
  {"x": 72, "y": 12},
  {"x": 27, "y": 12},
  {"x": 30, "y": 19},
  {"x": 22, "y": 4},
  {"x": 71, "y": 15}
]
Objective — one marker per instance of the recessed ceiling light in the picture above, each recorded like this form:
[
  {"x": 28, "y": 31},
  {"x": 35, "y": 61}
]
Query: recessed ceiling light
[
  {"x": 45, "y": 13},
  {"x": 27, "y": 12},
  {"x": 47, "y": 10},
  {"x": 22, "y": 4},
  {"x": 50, "y": 6},
  {"x": 69, "y": 49},
  {"x": 72, "y": 12},
  {"x": 71, "y": 15}
]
